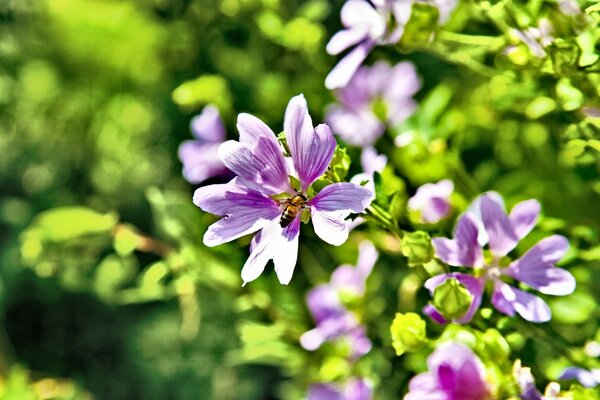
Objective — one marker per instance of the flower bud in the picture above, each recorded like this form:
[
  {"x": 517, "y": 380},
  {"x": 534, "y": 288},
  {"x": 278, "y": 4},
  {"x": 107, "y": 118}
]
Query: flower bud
[
  {"x": 452, "y": 299},
  {"x": 408, "y": 332}
]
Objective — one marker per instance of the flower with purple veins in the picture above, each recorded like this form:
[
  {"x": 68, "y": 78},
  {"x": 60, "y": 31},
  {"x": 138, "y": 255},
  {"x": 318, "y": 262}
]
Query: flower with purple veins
[
  {"x": 486, "y": 223},
  {"x": 454, "y": 373},
  {"x": 333, "y": 320},
  {"x": 376, "y": 97},
  {"x": 588, "y": 378},
  {"x": 261, "y": 193},
  {"x": 199, "y": 156},
  {"x": 432, "y": 201},
  {"x": 353, "y": 389}
]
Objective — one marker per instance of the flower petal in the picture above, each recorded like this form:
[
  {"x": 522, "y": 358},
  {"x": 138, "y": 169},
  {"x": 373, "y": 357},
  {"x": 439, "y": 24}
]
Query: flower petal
[
  {"x": 208, "y": 126},
  {"x": 287, "y": 252},
  {"x": 200, "y": 161},
  {"x": 274, "y": 240},
  {"x": 263, "y": 165},
  {"x": 268, "y": 154},
  {"x": 359, "y": 13},
  {"x": 341, "y": 74},
  {"x": 311, "y": 149},
  {"x": 536, "y": 267},
  {"x": 434, "y": 314},
  {"x": 585, "y": 377},
  {"x": 330, "y": 226},
  {"x": 523, "y": 217},
  {"x": 346, "y": 38},
  {"x": 244, "y": 211},
  {"x": 342, "y": 196},
  {"x": 502, "y": 237},
  {"x": 509, "y": 300},
  {"x": 464, "y": 250}
]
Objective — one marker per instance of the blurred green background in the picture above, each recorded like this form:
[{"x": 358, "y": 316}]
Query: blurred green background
[{"x": 105, "y": 287}]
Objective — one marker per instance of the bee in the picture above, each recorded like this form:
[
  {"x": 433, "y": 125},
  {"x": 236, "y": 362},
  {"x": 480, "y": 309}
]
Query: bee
[{"x": 293, "y": 207}]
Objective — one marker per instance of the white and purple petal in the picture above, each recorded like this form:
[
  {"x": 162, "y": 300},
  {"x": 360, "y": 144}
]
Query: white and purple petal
[
  {"x": 311, "y": 149},
  {"x": 536, "y": 268},
  {"x": 500, "y": 231},
  {"x": 244, "y": 211},
  {"x": 273, "y": 242},
  {"x": 208, "y": 126},
  {"x": 524, "y": 216},
  {"x": 464, "y": 249},
  {"x": 200, "y": 161},
  {"x": 342, "y": 196},
  {"x": 508, "y": 300},
  {"x": 587, "y": 378},
  {"x": 341, "y": 74}
]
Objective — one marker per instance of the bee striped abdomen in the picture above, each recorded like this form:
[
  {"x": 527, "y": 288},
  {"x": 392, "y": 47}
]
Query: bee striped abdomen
[{"x": 293, "y": 207}]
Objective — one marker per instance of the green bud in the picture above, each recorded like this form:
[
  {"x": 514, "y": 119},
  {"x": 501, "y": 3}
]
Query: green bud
[
  {"x": 452, "y": 299},
  {"x": 408, "y": 332},
  {"x": 419, "y": 29},
  {"x": 416, "y": 246},
  {"x": 495, "y": 345}
]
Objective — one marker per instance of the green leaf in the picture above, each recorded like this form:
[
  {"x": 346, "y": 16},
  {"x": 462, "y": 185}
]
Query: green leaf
[
  {"x": 203, "y": 90},
  {"x": 67, "y": 223}
]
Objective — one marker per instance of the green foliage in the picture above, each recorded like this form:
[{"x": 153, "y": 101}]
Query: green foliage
[{"x": 105, "y": 280}]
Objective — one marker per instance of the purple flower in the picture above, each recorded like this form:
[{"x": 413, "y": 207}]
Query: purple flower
[
  {"x": 432, "y": 201},
  {"x": 455, "y": 373},
  {"x": 199, "y": 157},
  {"x": 333, "y": 320},
  {"x": 261, "y": 197},
  {"x": 353, "y": 389},
  {"x": 536, "y": 39},
  {"x": 486, "y": 223},
  {"x": 376, "y": 97},
  {"x": 526, "y": 383},
  {"x": 587, "y": 378},
  {"x": 368, "y": 24}
]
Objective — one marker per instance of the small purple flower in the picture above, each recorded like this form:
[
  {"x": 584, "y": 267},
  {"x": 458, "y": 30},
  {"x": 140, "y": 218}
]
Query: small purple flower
[
  {"x": 455, "y": 373},
  {"x": 353, "y": 389},
  {"x": 486, "y": 223},
  {"x": 199, "y": 157},
  {"x": 376, "y": 97},
  {"x": 432, "y": 201},
  {"x": 587, "y": 378},
  {"x": 333, "y": 320},
  {"x": 526, "y": 383},
  {"x": 261, "y": 197},
  {"x": 536, "y": 39},
  {"x": 368, "y": 24}
]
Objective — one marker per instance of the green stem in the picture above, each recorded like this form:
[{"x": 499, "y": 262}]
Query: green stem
[
  {"x": 461, "y": 58},
  {"x": 475, "y": 40},
  {"x": 381, "y": 216}
]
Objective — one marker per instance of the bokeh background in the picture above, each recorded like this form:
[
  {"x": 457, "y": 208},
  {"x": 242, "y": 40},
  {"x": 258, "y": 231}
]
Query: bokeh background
[{"x": 106, "y": 290}]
